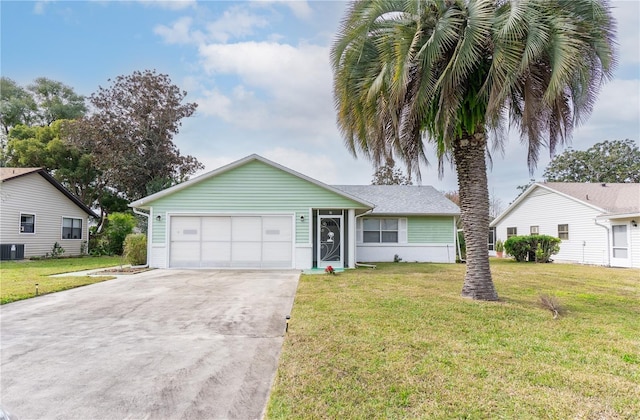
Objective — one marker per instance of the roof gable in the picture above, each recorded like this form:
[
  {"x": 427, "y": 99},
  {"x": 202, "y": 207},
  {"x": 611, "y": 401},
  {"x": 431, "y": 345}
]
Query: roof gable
[
  {"x": 226, "y": 172},
  {"x": 609, "y": 199},
  {"x": 14, "y": 174},
  {"x": 403, "y": 199}
]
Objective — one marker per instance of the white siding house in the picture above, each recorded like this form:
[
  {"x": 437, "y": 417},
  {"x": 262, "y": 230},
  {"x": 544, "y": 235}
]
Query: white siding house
[
  {"x": 36, "y": 212},
  {"x": 598, "y": 223}
]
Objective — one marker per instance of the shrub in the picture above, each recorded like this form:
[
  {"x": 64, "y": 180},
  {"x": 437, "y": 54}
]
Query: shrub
[
  {"x": 135, "y": 249},
  {"x": 518, "y": 247},
  {"x": 537, "y": 248},
  {"x": 119, "y": 225}
]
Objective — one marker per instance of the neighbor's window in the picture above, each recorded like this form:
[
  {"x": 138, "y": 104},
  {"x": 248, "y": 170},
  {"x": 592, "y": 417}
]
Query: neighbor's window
[
  {"x": 563, "y": 231},
  {"x": 380, "y": 230},
  {"x": 71, "y": 228},
  {"x": 512, "y": 231},
  {"x": 492, "y": 239},
  {"x": 534, "y": 230},
  {"x": 27, "y": 223}
]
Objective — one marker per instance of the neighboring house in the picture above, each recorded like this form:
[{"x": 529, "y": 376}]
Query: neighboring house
[
  {"x": 255, "y": 213},
  {"x": 36, "y": 211},
  {"x": 597, "y": 223}
]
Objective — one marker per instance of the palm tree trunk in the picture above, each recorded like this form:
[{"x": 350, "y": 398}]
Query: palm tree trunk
[{"x": 469, "y": 158}]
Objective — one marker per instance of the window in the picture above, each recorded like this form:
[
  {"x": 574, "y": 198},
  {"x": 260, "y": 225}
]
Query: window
[
  {"x": 620, "y": 242},
  {"x": 27, "y": 223},
  {"x": 71, "y": 228},
  {"x": 380, "y": 230},
  {"x": 534, "y": 230},
  {"x": 512, "y": 231},
  {"x": 563, "y": 231},
  {"x": 492, "y": 239}
]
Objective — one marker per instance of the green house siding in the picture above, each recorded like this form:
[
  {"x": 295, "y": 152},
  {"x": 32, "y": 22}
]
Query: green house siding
[
  {"x": 251, "y": 188},
  {"x": 430, "y": 229}
]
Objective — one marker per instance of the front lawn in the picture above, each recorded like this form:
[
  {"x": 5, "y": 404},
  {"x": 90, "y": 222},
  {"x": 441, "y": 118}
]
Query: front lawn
[
  {"x": 18, "y": 278},
  {"x": 400, "y": 342}
]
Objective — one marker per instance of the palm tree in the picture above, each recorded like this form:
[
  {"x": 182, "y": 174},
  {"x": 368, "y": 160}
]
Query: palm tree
[{"x": 453, "y": 72}]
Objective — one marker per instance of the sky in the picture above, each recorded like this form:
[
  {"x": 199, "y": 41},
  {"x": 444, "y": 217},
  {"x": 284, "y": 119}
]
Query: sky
[{"x": 260, "y": 74}]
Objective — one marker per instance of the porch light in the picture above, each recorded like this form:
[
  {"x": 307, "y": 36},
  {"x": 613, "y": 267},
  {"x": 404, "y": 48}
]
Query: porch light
[
  {"x": 158, "y": 218},
  {"x": 302, "y": 218},
  {"x": 634, "y": 223}
]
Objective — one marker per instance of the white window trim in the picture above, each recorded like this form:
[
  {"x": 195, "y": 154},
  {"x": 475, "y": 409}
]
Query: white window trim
[
  {"x": 402, "y": 232},
  {"x": 82, "y": 223},
  {"x": 20, "y": 223},
  {"x": 567, "y": 231}
]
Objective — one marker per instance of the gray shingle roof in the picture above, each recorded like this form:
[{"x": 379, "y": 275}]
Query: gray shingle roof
[
  {"x": 403, "y": 199},
  {"x": 612, "y": 198}
]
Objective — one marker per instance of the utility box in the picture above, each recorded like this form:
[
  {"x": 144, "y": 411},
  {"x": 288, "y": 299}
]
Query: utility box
[{"x": 11, "y": 252}]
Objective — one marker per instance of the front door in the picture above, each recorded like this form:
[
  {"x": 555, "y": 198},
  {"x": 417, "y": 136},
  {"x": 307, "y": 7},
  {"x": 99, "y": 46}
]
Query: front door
[
  {"x": 620, "y": 246},
  {"x": 330, "y": 243}
]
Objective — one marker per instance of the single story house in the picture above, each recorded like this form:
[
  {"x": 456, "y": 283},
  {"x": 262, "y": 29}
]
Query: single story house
[
  {"x": 255, "y": 213},
  {"x": 597, "y": 223},
  {"x": 37, "y": 211}
]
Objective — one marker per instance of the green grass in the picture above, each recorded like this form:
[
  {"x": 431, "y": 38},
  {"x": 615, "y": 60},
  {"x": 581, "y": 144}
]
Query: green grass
[
  {"x": 400, "y": 342},
  {"x": 18, "y": 278}
]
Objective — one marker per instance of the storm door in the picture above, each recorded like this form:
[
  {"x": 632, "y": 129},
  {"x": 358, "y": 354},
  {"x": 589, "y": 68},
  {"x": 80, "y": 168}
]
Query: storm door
[
  {"x": 330, "y": 241},
  {"x": 620, "y": 246}
]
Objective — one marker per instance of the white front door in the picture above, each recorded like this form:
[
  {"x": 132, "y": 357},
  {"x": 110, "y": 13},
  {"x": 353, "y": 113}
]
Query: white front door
[
  {"x": 330, "y": 242},
  {"x": 620, "y": 252}
]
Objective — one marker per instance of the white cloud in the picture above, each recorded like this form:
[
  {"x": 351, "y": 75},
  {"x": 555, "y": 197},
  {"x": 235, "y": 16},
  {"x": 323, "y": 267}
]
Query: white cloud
[
  {"x": 627, "y": 14},
  {"x": 300, "y": 8},
  {"x": 214, "y": 104},
  {"x": 317, "y": 166},
  {"x": 39, "y": 6},
  {"x": 170, "y": 4},
  {"x": 179, "y": 32},
  {"x": 282, "y": 86},
  {"x": 236, "y": 22}
]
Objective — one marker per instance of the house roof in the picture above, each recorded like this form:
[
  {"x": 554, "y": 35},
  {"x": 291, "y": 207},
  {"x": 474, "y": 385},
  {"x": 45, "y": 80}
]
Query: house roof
[
  {"x": 610, "y": 199},
  {"x": 143, "y": 202},
  {"x": 11, "y": 174},
  {"x": 403, "y": 199}
]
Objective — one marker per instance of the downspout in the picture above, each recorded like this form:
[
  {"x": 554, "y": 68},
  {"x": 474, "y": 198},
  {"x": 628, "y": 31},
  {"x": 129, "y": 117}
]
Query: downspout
[
  {"x": 149, "y": 227},
  {"x": 608, "y": 245}
]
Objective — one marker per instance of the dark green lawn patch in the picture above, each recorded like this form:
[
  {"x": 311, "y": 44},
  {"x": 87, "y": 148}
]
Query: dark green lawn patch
[
  {"x": 18, "y": 278},
  {"x": 400, "y": 342}
]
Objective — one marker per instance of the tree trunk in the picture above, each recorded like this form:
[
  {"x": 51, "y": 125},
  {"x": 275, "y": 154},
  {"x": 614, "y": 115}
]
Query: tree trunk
[{"x": 469, "y": 158}]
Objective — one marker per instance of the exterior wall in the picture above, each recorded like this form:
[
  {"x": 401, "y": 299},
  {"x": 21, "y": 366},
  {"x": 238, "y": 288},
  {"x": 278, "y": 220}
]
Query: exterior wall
[
  {"x": 421, "y": 239},
  {"x": 32, "y": 194},
  {"x": 587, "y": 243},
  {"x": 254, "y": 188}
]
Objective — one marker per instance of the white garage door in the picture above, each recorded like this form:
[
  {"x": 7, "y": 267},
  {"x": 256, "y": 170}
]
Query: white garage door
[{"x": 231, "y": 241}]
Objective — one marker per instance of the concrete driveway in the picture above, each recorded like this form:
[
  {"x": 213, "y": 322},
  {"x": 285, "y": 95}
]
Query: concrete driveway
[{"x": 164, "y": 344}]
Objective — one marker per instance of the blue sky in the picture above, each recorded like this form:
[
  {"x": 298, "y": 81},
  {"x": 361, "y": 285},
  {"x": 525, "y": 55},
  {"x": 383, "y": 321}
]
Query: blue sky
[{"x": 261, "y": 76}]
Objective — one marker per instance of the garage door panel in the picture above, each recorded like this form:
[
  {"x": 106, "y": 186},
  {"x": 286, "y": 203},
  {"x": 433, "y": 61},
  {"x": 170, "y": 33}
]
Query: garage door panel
[
  {"x": 216, "y": 254},
  {"x": 246, "y": 251},
  {"x": 216, "y": 228},
  {"x": 246, "y": 229},
  {"x": 276, "y": 251},
  {"x": 185, "y": 229},
  {"x": 185, "y": 254},
  {"x": 277, "y": 229}
]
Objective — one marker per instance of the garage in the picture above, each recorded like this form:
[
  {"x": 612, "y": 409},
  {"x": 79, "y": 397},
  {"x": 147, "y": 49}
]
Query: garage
[{"x": 256, "y": 241}]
